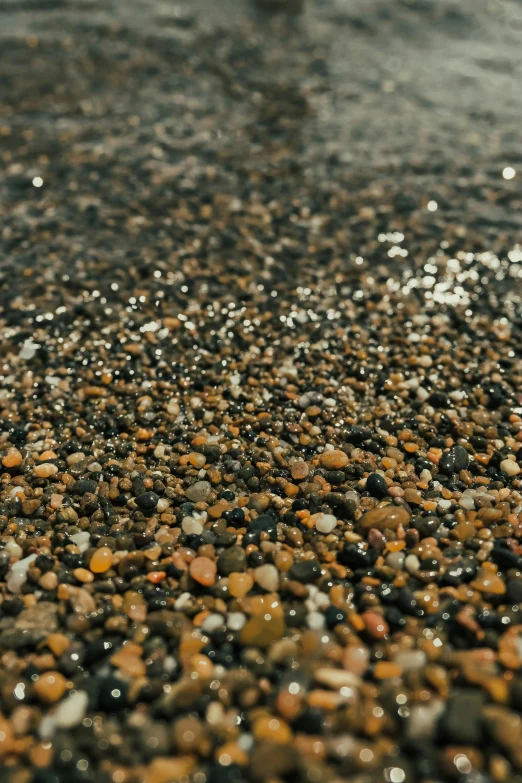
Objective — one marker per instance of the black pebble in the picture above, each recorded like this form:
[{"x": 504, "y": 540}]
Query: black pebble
[
  {"x": 147, "y": 501},
  {"x": 377, "y": 486}
]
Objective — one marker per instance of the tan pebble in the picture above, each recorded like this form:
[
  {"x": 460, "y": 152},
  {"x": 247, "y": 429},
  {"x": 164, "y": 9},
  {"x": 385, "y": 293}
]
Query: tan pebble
[
  {"x": 273, "y": 729},
  {"x": 58, "y": 643},
  {"x": 356, "y": 659},
  {"x": 333, "y": 459},
  {"x": 128, "y": 660},
  {"x": 384, "y": 517},
  {"x": 48, "y": 581},
  {"x": 299, "y": 471},
  {"x": 202, "y": 666},
  {"x": 488, "y": 582},
  {"x": 196, "y": 459},
  {"x": 169, "y": 769},
  {"x": 283, "y": 560},
  {"x": 375, "y": 625},
  {"x": 82, "y": 575},
  {"x": 50, "y": 686},
  {"x": 56, "y": 501},
  {"x": 262, "y": 630},
  {"x": 384, "y": 670},
  {"x": 46, "y": 455},
  {"x": 203, "y": 570},
  {"x": 12, "y": 459},
  {"x": 463, "y": 531},
  {"x": 413, "y": 496},
  {"x": 101, "y": 560},
  {"x": 231, "y": 753},
  {"x": 267, "y": 577},
  {"x": 325, "y": 700},
  {"x": 45, "y": 471}
]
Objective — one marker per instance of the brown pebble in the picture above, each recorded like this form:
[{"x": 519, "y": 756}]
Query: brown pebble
[
  {"x": 101, "y": 560},
  {"x": 333, "y": 459},
  {"x": 50, "y": 686},
  {"x": 375, "y": 625},
  {"x": 12, "y": 459},
  {"x": 382, "y": 518},
  {"x": 203, "y": 570}
]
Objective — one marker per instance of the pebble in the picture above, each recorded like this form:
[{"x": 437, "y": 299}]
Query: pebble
[
  {"x": 203, "y": 570},
  {"x": 18, "y": 573},
  {"x": 325, "y": 523},
  {"x": 334, "y": 459},
  {"x": 267, "y": 577},
  {"x": 199, "y": 492},
  {"x": 384, "y": 518},
  {"x": 50, "y": 686},
  {"x": 191, "y": 526},
  {"x": 71, "y": 711},
  {"x": 239, "y": 584},
  {"x": 510, "y": 467},
  {"x": 101, "y": 560}
]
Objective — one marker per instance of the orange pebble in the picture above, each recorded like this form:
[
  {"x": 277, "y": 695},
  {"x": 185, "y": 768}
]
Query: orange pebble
[
  {"x": 50, "y": 686},
  {"x": 239, "y": 584},
  {"x": 101, "y": 560},
  {"x": 12, "y": 459},
  {"x": 203, "y": 570},
  {"x": 156, "y": 576}
]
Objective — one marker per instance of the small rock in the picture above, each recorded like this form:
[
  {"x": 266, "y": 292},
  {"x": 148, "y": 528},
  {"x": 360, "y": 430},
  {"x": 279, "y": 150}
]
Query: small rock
[{"x": 199, "y": 492}]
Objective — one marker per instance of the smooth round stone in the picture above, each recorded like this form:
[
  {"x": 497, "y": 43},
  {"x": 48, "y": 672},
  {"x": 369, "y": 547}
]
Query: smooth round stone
[
  {"x": 325, "y": 523},
  {"x": 333, "y": 459},
  {"x": 510, "y": 467},
  {"x": 488, "y": 582},
  {"x": 356, "y": 659},
  {"x": 199, "y": 492},
  {"x": 410, "y": 660},
  {"x": 383, "y": 518},
  {"x": 191, "y": 526},
  {"x": 71, "y": 711},
  {"x": 412, "y": 564},
  {"x": 267, "y": 577},
  {"x": 101, "y": 560},
  {"x": 239, "y": 584},
  {"x": 212, "y": 622},
  {"x": 203, "y": 570},
  {"x": 376, "y": 485},
  {"x": 236, "y": 621},
  {"x": 50, "y": 686}
]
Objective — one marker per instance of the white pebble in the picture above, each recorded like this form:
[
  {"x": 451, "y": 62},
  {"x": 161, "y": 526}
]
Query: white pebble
[
  {"x": 412, "y": 564},
  {"x": 18, "y": 574},
  {"x": 191, "y": 526},
  {"x": 395, "y": 560},
  {"x": 29, "y": 349},
  {"x": 14, "y": 549},
  {"x": 267, "y": 577},
  {"x": 467, "y": 503},
  {"x": 444, "y": 504},
  {"x": 212, "y": 622},
  {"x": 510, "y": 467},
  {"x": 71, "y": 711},
  {"x": 182, "y": 601},
  {"x": 82, "y": 540},
  {"x": 409, "y": 660},
  {"x": 337, "y": 678},
  {"x": 236, "y": 621},
  {"x": 315, "y": 621},
  {"x": 325, "y": 523},
  {"x": 423, "y": 718}
]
